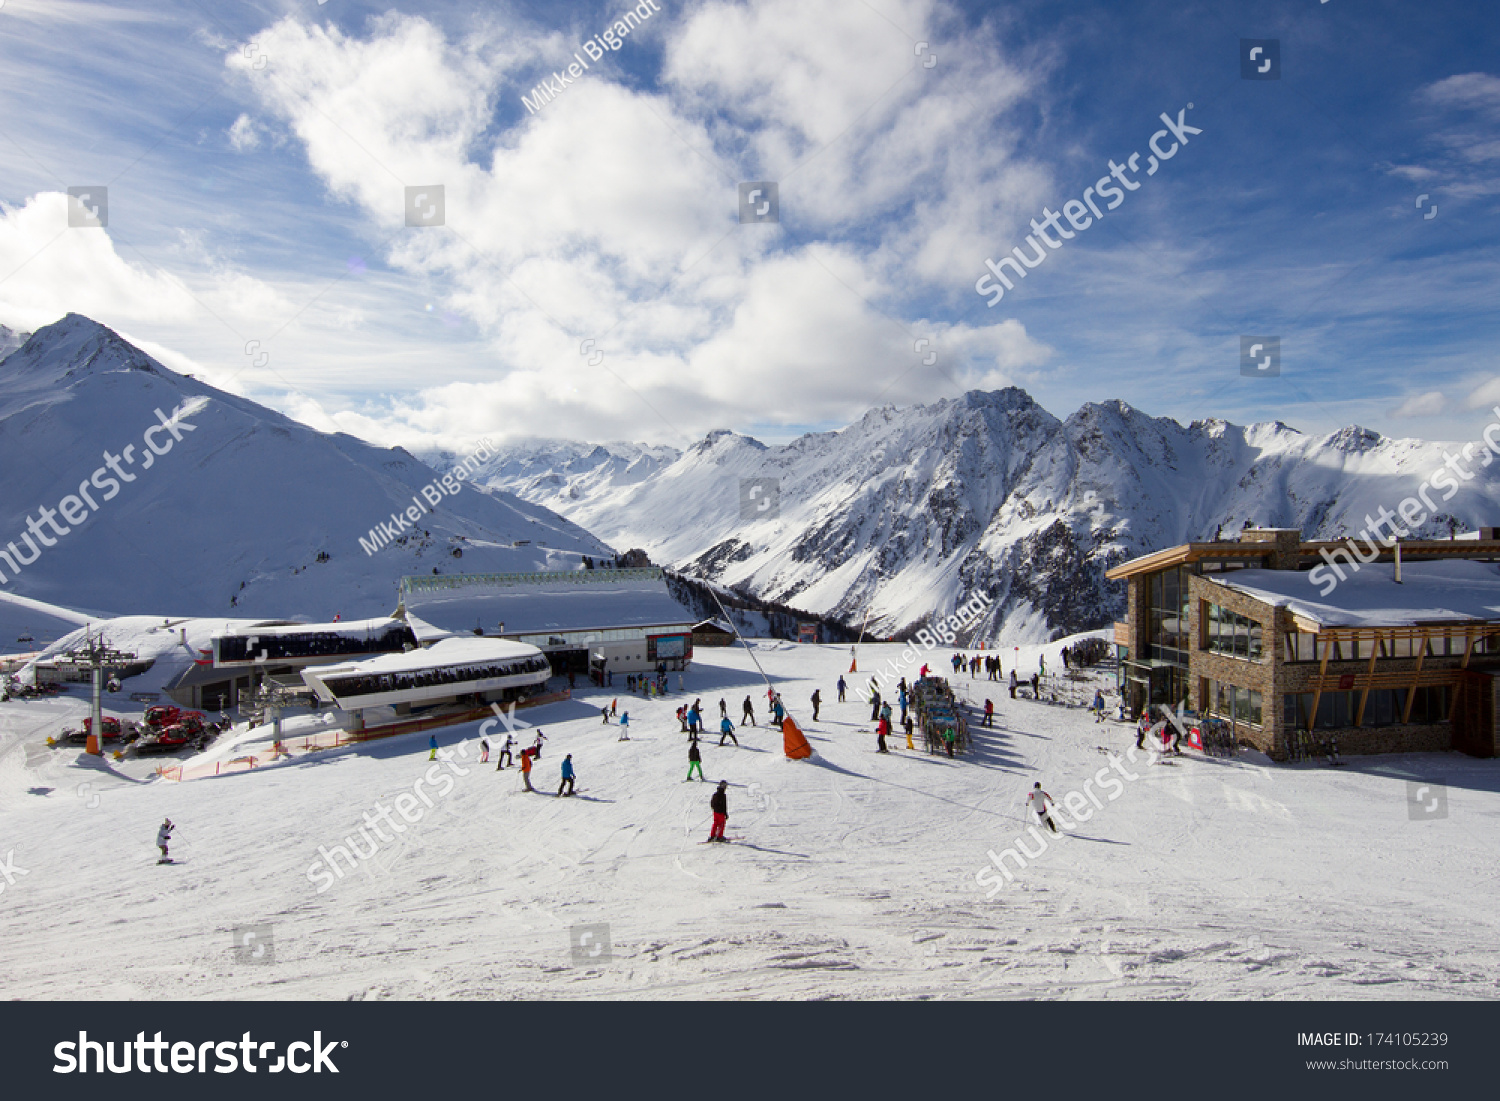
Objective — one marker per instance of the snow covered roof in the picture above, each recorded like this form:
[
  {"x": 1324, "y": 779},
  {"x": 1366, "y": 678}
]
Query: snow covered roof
[
  {"x": 542, "y": 607},
  {"x": 1430, "y": 592},
  {"x": 450, "y": 651},
  {"x": 348, "y": 628}
]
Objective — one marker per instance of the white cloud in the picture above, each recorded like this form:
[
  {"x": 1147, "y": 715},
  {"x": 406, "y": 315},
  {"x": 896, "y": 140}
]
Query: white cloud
[
  {"x": 611, "y": 214},
  {"x": 244, "y": 135},
  {"x": 1429, "y": 404},
  {"x": 48, "y": 269},
  {"x": 1484, "y": 395}
]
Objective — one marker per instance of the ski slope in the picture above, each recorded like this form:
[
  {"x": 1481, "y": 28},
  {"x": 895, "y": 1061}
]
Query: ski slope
[{"x": 854, "y": 876}]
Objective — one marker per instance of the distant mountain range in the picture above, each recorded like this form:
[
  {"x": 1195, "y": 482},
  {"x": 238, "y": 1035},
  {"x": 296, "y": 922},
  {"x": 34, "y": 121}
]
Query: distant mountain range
[
  {"x": 902, "y": 515},
  {"x": 243, "y": 512}
]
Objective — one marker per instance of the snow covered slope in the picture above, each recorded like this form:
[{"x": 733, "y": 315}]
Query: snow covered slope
[
  {"x": 10, "y": 340},
  {"x": 232, "y": 516},
  {"x": 856, "y": 875},
  {"x": 905, "y": 513}
]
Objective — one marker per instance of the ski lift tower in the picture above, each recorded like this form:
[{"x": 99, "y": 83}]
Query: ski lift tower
[{"x": 99, "y": 658}]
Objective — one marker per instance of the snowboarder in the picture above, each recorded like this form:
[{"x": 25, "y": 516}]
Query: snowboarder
[
  {"x": 567, "y": 776},
  {"x": 432, "y": 747},
  {"x": 1037, "y": 800},
  {"x": 989, "y": 712},
  {"x": 1012, "y": 684},
  {"x": 163, "y": 836},
  {"x": 624, "y": 726},
  {"x": 719, "y": 804},
  {"x": 726, "y": 730},
  {"x": 749, "y": 715},
  {"x": 842, "y": 689},
  {"x": 695, "y": 760},
  {"x": 503, "y": 759},
  {"x": 484, "y": 751},
  {"x": 817, "y": 700},
  {"x": 526, "y": 769}
]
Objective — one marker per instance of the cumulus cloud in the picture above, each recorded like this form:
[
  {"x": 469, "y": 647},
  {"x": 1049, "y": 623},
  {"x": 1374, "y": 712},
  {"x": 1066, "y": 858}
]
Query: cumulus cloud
[{"x": 610, "y": 216}]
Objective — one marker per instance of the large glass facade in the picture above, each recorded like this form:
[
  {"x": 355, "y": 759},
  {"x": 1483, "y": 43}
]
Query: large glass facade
[
  {"x": 1233, "y": 703},
  {"x": 1231, "y": 633},
  {"x": 1169, "y": 615},
  {"x": 1383, "y": 708}
]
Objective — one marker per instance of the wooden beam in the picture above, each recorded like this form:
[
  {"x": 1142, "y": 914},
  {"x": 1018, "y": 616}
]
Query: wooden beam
[
  {"x": 1312, "y": 716},
  {"x": 1459, "y": 687},
  {"x": 1359, "y": 719},
  {"x": 1411, "y": 693}
]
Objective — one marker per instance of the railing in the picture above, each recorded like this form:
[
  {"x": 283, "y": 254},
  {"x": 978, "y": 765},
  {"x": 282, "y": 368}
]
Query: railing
[{"x": 420, "y": 583}]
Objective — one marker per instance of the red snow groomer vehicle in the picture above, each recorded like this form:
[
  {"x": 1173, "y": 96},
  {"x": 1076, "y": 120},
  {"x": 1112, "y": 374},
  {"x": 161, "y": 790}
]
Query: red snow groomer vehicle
[
  {"x": 113, "y": 731},
  {"x": 171, "y": 729}
]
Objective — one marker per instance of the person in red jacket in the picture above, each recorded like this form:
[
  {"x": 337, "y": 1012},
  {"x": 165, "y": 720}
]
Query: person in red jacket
[{"x": 881, "y": 731}]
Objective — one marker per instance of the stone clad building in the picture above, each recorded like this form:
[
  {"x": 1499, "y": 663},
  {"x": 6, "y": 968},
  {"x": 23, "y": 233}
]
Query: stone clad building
[{"x": 1386, "y": 650}]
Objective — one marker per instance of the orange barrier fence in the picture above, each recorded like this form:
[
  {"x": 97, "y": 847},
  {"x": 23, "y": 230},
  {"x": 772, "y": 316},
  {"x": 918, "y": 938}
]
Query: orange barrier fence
[{"x": 334, "y": 739}]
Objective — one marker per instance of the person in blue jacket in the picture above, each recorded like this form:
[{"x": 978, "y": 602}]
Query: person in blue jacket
[
  {"x": 778, "y": 710},
  {"x": 432, "y": 747},
  {"x": 567, "y": 776},
  {"x": 726, "y": 730}
]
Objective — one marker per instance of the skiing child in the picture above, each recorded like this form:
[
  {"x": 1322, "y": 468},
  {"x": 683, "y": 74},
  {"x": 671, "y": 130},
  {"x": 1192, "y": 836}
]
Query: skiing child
[
  {"x": 723, "y": 709},
  {"x": 567, "y": 776},
  {"x": 842, "y": 689},
  {"x": 777, "y": 710},
  {"x": 604, "y": 711},
  {"x": 881, "y": 730},
  {"x": 503, "y": 759},
  {"x": 625, "y": 726},
  {"x": 536, "y": 750},
  {"x": 719, "y": 804},
  {"x": 484, "y": 751},
  {"x": 432, "y": 748},
  {"x": 1037, "y": 800},
  {"x": 163, "y": 836},
  {"x": 726, "y": 730},
  {"x": 695, "y": 760},
  {"x": 908, "y": 724}
]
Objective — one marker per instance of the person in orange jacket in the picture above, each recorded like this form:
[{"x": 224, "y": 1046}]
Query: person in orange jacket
[{"x": 526, "y": 769}]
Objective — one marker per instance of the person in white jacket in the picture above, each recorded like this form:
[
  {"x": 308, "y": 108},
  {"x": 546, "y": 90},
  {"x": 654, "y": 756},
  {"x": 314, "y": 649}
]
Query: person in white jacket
[
  {"x": 164, "y": 835},
  {"x": 1038, "y": 799}
]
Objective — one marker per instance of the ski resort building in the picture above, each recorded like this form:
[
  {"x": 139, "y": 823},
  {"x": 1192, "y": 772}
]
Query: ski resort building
[
  {"x": 1382, "y": 648},
  {"x": 475, "y": 671},
  {"x": 584, "y": 621}
]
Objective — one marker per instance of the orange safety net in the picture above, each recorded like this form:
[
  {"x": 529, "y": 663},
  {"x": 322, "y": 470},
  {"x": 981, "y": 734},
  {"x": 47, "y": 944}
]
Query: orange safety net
[{"x": 794, "y": 744}]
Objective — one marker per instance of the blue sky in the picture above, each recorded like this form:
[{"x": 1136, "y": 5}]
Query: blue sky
[{"x": 257, "y": 157}]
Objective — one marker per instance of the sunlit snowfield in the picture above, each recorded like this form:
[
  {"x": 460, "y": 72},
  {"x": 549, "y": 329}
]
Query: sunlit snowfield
[{"x": 854, "y": 876}]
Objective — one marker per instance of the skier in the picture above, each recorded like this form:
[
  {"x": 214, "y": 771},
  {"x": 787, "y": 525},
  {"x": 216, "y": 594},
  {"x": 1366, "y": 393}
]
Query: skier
[
  {"x": 484, "y": 751},
  {"x": 503, "y": 759},
  {"x": 624, "y": 726},
  {"x": 536, "y": 750},
  {"x": 723, "y": 709},
  {"x": 682, "y": 719},
  {"x": 842, "y": 689},
  {"x": 695, "y": 761},
  {"x": 432, "y": 747},
  {"x": 901, "y": 698},
  {"x": 817, "y": 701},
  {"x": 726, "y": 730},
  {"x": 1036, "y": 686},
  {"x": 907, "y": 723},
  {"x": 875, "y": 705},
  {"x": 163, "y": 836},
  {"x": 604, "y": 711},
  {"x": 1012, "y": 684},
  {"x": 948, "y": 739},
  {"x": 881, "y": 730},
  {"x": 922, "y": 672},
  {"x": 719, "y": 804},
  {"x": 614, "y": 707},
  {"x": 1141, "y": 728},
  {"x": 526, "y": 769},
  {"x": 749, "y": 715},
  {"x": 778, "y": 711},
  {"x": 1041, "y": 661},
  {"x": 989, "y": 712},
  {"x": 567, "y": 776},
  {"x": 695, "y": 718},
  {"x": 1037, "y": 800},
  {"x": 1098, "y": 703},
  {"x": 885, "y": 712}
]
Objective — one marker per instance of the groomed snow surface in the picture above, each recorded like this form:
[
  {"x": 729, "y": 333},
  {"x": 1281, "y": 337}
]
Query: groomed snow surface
[{"x": 854, "y": 878}]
